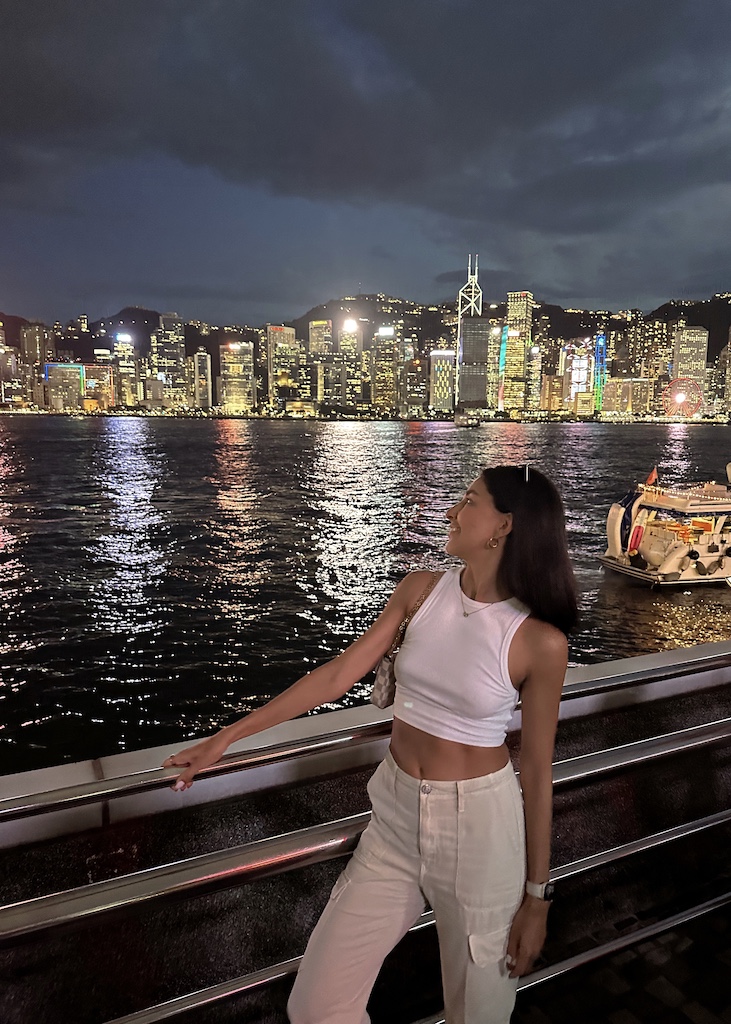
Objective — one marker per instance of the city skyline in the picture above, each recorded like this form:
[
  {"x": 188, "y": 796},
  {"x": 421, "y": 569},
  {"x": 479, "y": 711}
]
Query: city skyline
[
  {"x": 233, "y": 162},
  {"x": 450, "y": 300},
  {"x": 379, "y": 356}
]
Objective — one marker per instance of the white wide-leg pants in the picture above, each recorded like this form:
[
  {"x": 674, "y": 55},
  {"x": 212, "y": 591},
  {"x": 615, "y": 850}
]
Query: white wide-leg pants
[{"x": 458, "y": 845}]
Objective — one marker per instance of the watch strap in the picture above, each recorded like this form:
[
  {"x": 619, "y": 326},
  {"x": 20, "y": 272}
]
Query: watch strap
[{"x": 538, "y": 890}]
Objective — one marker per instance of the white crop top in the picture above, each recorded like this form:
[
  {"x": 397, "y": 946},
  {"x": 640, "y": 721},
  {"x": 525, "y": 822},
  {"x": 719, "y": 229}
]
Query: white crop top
[{"x": 452, "y": 677}]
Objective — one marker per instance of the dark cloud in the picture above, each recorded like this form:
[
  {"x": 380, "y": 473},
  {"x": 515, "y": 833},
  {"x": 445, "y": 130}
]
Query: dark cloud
[
  {"x": 494, "y": 283},
  {"x": 453, "y": 277},
  {"x": 190, "y": 292},
  {"x": 163, "y": 294},
  {"x": 532, "y": 131}
]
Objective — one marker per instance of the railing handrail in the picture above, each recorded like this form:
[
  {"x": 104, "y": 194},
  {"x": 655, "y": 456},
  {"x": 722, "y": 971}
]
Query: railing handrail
[
  {"x": 624, "y": 850},
  {"x": 258, "y": 979},
  {"x": 691, "y": 661},
  {"x": 198, "y": 875},
  {"x": 264, "y": 857},
  {"x": 575, "y": 769},
  {"x": 666, "y": 665},
  {"x": 150, "y": 779}
]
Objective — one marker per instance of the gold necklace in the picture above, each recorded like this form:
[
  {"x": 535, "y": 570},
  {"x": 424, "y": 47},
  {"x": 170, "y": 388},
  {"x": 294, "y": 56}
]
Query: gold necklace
[{"x": 474, "y": 611}]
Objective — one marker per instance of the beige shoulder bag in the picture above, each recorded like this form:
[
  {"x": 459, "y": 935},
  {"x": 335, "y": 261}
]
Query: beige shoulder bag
[{"x": 384, "y": 687}]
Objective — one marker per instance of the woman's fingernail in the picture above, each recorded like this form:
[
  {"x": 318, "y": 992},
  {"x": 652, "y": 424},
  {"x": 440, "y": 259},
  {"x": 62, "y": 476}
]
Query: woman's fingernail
[{"x": 179, "y": 786}]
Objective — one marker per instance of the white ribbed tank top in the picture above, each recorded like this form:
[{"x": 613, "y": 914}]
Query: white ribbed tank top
[{"x": 452, "y": 677}]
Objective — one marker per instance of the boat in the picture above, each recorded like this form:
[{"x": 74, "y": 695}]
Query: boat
[
  {"x": 672, "y": 535},
  {"x": 464, "y": 419}
]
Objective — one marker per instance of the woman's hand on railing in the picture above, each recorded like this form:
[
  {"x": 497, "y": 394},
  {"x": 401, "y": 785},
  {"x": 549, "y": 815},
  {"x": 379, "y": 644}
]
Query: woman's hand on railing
[
  {"x": 527, "y": 935},
  {"x": 196, "y": 758}
]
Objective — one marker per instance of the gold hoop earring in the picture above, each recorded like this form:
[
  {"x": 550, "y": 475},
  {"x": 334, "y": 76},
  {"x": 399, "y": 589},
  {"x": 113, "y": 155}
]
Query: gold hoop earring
[{"x": 492, "y": 543}]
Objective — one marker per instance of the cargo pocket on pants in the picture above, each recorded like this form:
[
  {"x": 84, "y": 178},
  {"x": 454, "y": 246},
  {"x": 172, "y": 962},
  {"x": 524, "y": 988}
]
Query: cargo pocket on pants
[
  {"x": 487, "y": 936},
  {"x": 488, "y": 948}
]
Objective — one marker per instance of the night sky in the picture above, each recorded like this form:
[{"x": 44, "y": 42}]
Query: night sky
[{"x": 241, "y": 161}]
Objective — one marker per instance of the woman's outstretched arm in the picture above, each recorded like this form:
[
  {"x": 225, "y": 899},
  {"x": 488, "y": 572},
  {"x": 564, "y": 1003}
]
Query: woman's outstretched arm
[{"x": 324, "y": 684}]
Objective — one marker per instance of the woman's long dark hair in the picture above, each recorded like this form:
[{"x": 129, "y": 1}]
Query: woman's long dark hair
[{"x": 535, "y": 565}]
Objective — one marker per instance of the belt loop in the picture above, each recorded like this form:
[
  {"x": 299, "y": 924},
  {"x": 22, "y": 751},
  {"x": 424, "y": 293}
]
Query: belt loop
[{"x": 460, "y": 797}]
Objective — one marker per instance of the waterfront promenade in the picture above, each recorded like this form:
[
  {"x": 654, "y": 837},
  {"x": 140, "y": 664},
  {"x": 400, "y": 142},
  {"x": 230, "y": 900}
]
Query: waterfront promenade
[{"x": 135, "y": 900}]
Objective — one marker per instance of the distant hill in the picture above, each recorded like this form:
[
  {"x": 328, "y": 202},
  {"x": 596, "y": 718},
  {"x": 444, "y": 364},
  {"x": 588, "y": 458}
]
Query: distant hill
[
  {"x": 713, "y": 314},
  {"x": 374, "y": 310},
  {"x": 564, "y": 324},
  {"x": 11, "y": 326},
  {"x": 136, "y": 321}
]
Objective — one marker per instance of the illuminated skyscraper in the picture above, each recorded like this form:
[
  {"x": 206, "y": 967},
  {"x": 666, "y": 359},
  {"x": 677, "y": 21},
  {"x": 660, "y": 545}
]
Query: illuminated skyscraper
[
  {"x": 202, "y": 381},
  {"x": 167, "y": 360},
  {"x": 321, "y": 337},
  {"x": 238, "y": 382},
  {"x": 284, "y": 356},
  {"x": 716, "y": 377},
  {"x": 129, "y": 384},
  {"x": 533, "y": 363},
  {"x": 413, "y": 388},
  {"x": 519, "y": 342},
  {"x": 475, "y": 334},
  {"x": 636, "y": 355},
  {"x": 37, "y": 345},
  {"x": 657, "y": 348},
  {"x": 471, "y": 375},
  {"x": 690, "y": 350},
  {"x": 552, "y": 393},
  {"x": 99, "y": 391},
  {"x": 576, "y": 363},
  {"x": 350, "y": 339},
  {"x": 384, "y": 380},
  {"x": 12, "y": 389},
  {"x": 65, "y": 386},
  {"x": 600, "y": 369},
  {"x": 494, "y": 349},
  {"x": 441, "y": 380},
  {"x": 350, "y": 348},
  {"x": 540, "y": 336}
]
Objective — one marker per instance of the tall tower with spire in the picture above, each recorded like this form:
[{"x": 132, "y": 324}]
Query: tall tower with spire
[
  {"x": 472, "y": 342},
  {"x": 469, "y": 300}
]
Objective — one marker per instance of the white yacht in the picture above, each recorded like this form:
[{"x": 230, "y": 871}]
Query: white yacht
[{"x": 672, "y": 535}]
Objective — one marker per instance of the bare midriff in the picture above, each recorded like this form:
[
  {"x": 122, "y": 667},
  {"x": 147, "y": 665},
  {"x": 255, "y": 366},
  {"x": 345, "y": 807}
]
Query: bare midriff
[{"x": 425, "y": 756}]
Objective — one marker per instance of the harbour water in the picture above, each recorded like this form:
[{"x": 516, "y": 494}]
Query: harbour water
[{"x": 159, "y": 577}]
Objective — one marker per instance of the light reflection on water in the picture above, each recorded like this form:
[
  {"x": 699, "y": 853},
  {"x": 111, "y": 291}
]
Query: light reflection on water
[
  {"x": 158, "y": 577},
  {"x": 9, "y": 541},
  {"x": 237, "y": 529},
  {"x": 356, "y": 483},
  {"x": 127, "y": 559}
]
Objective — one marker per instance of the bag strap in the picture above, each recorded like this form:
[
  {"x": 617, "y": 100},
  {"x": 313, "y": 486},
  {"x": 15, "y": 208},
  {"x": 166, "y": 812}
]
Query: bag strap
[{"x": 401, "y": 631}]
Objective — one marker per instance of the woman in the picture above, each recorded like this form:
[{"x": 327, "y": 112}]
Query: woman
[{"x": 448, "y": 823}]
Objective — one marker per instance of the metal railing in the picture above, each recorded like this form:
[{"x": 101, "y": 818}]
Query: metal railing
[
  {"x": 195, "y": 876},
  {"x": 575, "y": 769},
  {"x": 210, "y": 872},
  {"x": 258, "y": 979},
  {"x": 701, "y": 659},
  {"x": 67, "y": 797},
  {"x": 706, "y": 658},
  {"x": 563, "y": 966}
]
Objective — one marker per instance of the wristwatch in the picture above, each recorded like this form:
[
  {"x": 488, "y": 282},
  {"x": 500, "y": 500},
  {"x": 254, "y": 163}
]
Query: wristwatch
[{"x": 540, "y": 891}]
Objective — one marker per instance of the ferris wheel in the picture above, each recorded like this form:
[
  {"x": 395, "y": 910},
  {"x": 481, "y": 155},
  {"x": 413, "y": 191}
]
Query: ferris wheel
[{"x": 682, "y": 397}]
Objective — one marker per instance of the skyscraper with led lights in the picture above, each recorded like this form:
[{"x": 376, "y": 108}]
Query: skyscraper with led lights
[{"x": 517, "y": 349}]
